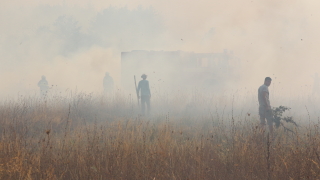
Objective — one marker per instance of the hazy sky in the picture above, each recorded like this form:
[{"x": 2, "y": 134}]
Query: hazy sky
[{"x": 277, "y": 38}]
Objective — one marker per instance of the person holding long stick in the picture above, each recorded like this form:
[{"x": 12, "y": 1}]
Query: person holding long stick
[
  {"x": 135, "y": 84},
  {"x": 145, "y": 94}
]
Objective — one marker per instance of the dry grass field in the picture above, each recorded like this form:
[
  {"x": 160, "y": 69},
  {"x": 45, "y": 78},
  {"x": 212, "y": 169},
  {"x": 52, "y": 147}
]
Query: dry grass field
[{"x": 91, "y": 137}]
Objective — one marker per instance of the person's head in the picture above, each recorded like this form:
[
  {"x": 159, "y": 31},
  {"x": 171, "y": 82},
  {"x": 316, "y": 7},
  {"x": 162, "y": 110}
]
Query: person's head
[
  {"x": 43, "y": 77},
  {"x": 267, "y": 81},
  {"x": 107, "y": 74},
  {"x": 144, "y": 76}
]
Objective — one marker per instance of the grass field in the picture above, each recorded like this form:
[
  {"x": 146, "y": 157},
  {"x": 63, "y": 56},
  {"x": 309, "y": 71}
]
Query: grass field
[{"x": 83, "y": 136}]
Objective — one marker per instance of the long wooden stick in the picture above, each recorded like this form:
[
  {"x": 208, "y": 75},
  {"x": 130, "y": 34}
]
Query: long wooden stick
[{"x": 137, "y": 92}]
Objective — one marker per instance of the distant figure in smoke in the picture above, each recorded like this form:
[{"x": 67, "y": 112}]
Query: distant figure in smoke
[
  {"x": 316, "y": 86},
  {"x": 43, "y": 85},
  {"x": 108, "y": 84},
  {"x": 145, "y": 94},
  {"x": 265, "y": 110}
]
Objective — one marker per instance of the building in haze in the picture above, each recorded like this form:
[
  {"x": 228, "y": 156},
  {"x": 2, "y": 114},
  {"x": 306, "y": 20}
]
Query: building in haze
[{"x": 179, "y": 69}]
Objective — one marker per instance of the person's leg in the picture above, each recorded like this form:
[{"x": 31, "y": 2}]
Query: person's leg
[
  {"x": 262, "y": 118},
  {"x": 262, "y": 124},
  {"x": 143, "y": 101},
  {"x": 269, "y": 118},
  {"x": 148, "y": 105},
  {"x": 43, "y": 93}
]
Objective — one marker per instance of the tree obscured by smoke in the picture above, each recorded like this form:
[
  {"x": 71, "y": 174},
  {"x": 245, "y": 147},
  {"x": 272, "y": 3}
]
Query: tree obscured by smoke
[
  {"x": 73, "y": 40},
  {"x": 127, "y": 28},
  {"x": 121, "y": 28},
  {"x": 68, "y": 30}
]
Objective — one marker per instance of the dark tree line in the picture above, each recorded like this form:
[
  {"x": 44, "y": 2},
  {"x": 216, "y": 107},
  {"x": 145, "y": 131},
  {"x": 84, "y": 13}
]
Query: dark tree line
[{"x": 113, "y": 27}]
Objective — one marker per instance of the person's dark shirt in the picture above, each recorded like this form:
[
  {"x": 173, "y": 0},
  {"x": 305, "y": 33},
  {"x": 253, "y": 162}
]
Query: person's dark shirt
[
  {"x": 144, "y": 87},
  {"x": 43, "y": 84}
]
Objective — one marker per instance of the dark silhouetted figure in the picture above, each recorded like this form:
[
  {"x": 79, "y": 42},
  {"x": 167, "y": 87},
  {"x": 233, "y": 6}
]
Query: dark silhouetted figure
[
  {"x": 108, "y": 84},
  {"x": 265, "y": 110},
  {"x": 145, "y": 94},
  {"x": 43, "y": 85}
]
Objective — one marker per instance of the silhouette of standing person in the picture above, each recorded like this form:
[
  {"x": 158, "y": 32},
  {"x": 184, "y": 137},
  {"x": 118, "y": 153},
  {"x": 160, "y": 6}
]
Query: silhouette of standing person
[
  {"x": 43, "y": 85},
  {"x": 265, "y": 110},
  {"x": 108, "y": 84},
  {"x": 145, "y": 94}
]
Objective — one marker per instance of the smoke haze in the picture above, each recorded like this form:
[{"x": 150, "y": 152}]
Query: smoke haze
[{"x": 73, "y": 43}]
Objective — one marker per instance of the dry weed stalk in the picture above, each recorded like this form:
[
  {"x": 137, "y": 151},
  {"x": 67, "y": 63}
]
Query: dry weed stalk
[{"x": 73, "y": 139}]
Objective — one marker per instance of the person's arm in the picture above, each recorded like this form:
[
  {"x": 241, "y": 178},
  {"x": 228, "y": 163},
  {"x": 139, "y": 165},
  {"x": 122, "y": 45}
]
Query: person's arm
[
  {"x": 149, "y": 89},
  {"x": 265, "y": 99}
]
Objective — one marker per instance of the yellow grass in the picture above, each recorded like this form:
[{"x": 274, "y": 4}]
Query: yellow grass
[{"x": 83, "y": 137}]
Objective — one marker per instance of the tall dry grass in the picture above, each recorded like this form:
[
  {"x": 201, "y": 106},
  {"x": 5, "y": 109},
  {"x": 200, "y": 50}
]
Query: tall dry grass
[{"x": 92, "y": 137}]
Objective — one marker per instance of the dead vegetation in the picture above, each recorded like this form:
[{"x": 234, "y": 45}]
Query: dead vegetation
[{"x": 86, "y": 137}]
